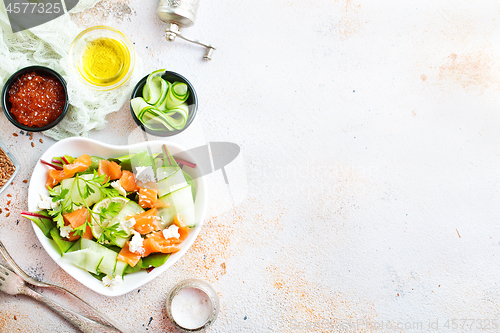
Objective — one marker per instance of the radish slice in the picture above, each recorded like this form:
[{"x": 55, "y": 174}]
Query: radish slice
[
  {"x": 40, "y": 216},
  {"x": 51, "y": 165}
]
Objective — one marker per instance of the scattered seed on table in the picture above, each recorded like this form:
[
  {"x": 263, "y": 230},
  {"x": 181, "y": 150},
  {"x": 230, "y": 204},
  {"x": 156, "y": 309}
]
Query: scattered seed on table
[
  {"x": 0, "y": 210},
  {"x": 14, "y": 134},
  {"x": 7, "y": 215},
  {"x": 9, "y": 195},
  {"x": 32, "y": 144},
  {"x": 25, "y": 181},
  {"x": 41, "y": 141},
  {"x": 8, "y": 202},
  {"x": 6, "y": 209}
]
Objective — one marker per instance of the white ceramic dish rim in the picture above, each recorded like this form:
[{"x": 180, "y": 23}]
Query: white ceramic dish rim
[{"x": 78, "y": 146}]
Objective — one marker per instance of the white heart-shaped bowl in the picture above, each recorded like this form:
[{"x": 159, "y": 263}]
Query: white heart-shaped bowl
[{"x": 79, "y": 146}]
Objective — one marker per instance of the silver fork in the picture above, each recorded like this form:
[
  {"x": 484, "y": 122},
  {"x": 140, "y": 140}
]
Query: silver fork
[
  {"x": 13, "y": 284},
  {"x": 30, "y": 280}
]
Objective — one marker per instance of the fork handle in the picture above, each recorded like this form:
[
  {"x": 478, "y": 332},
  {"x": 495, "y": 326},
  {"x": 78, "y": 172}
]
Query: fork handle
[
  {"x": 30, "y": 280},
  {"x": 85, "y": 324}
]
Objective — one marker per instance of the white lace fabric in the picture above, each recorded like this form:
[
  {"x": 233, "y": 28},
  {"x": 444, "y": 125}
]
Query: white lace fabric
[{"x": 48, "y": 45}]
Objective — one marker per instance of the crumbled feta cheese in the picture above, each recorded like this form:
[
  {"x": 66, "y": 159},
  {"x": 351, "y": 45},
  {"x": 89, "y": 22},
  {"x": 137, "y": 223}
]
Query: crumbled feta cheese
[
  {"x": 127, "y": 225},
  {"x": 135, "y": 244},
  {"x": 64, "y": 232},
  {"x": 46, "y": 202},
  {"x": 117, "y": 186},
  {"x": 145, "y": 174},
  {"x": 171, "y": 232},
  {"x": 112, "y": 283}
]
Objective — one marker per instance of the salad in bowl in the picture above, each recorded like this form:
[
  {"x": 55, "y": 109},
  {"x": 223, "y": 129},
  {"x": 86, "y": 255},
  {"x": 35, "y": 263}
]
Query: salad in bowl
[{"x": 116, "y": 216}]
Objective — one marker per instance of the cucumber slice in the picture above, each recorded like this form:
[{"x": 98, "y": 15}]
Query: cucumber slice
[
  {"x": 190, "y": 181},
  {"x": 154, "y": 119},
  {"x": 177, "y": 116},
  {"x": 151, "y": 90},
  {"x": 62, "y": 244},
  {"x": 188, "y": 216},
  {"x": 164, "y": 88},
  {"x": 130, "y": 209},
  {"x": 120, "y": 268},
  {"x": 177, "y": 94},
  {"x": 155, "y": 260},
  {"x": 173, "y": 182},
  {"x": 177, "y": 201},
  {"x": 86, "y": 259},
  {"x": 76, "y": 186},
  {"x": 162, "y": 104},
  {"x": 165, "y": 171},
  {"x": 108, "y": 262},
  {"x": 138, "y": 104}
]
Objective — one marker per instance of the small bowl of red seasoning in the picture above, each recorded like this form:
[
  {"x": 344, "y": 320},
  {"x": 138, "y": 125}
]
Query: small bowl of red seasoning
[{"x": 35, "y": 98}]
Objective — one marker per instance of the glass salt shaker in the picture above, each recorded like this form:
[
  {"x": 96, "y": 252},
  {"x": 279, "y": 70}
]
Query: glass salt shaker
[{"x": 192, "y": 305}]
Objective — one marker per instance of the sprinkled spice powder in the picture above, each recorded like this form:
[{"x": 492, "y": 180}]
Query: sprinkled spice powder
[{"x": 7, "y": 168}]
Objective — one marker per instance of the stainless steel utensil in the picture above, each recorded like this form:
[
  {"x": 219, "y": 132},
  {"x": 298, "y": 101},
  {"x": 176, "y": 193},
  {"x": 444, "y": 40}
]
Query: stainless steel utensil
[
  {"x": 30, "y": 280},
  {"x": 181, "y": 14},
  {"x": 13, "y": 284}
]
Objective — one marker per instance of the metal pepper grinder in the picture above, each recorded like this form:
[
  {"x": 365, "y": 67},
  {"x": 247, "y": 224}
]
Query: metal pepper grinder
[{"x": 181, "y": 14}]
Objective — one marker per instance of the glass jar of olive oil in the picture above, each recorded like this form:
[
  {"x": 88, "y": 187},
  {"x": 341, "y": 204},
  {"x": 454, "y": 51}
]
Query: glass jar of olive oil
[{"x": 102, "y": 57}]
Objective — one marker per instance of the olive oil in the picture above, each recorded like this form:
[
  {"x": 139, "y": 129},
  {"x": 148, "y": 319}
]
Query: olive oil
[{"x": 105, "y": 61}]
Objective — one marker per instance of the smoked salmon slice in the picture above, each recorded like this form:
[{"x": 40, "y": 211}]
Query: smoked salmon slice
[
  {"x": 79, "y": 165},
  {"x": 111, "y": 169},
  {"x": 127, "y": 181},
  {"x": 75, "y": 219},
  {"x": 146, "y": 222},
  {"x": 127, "y": 256}
]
